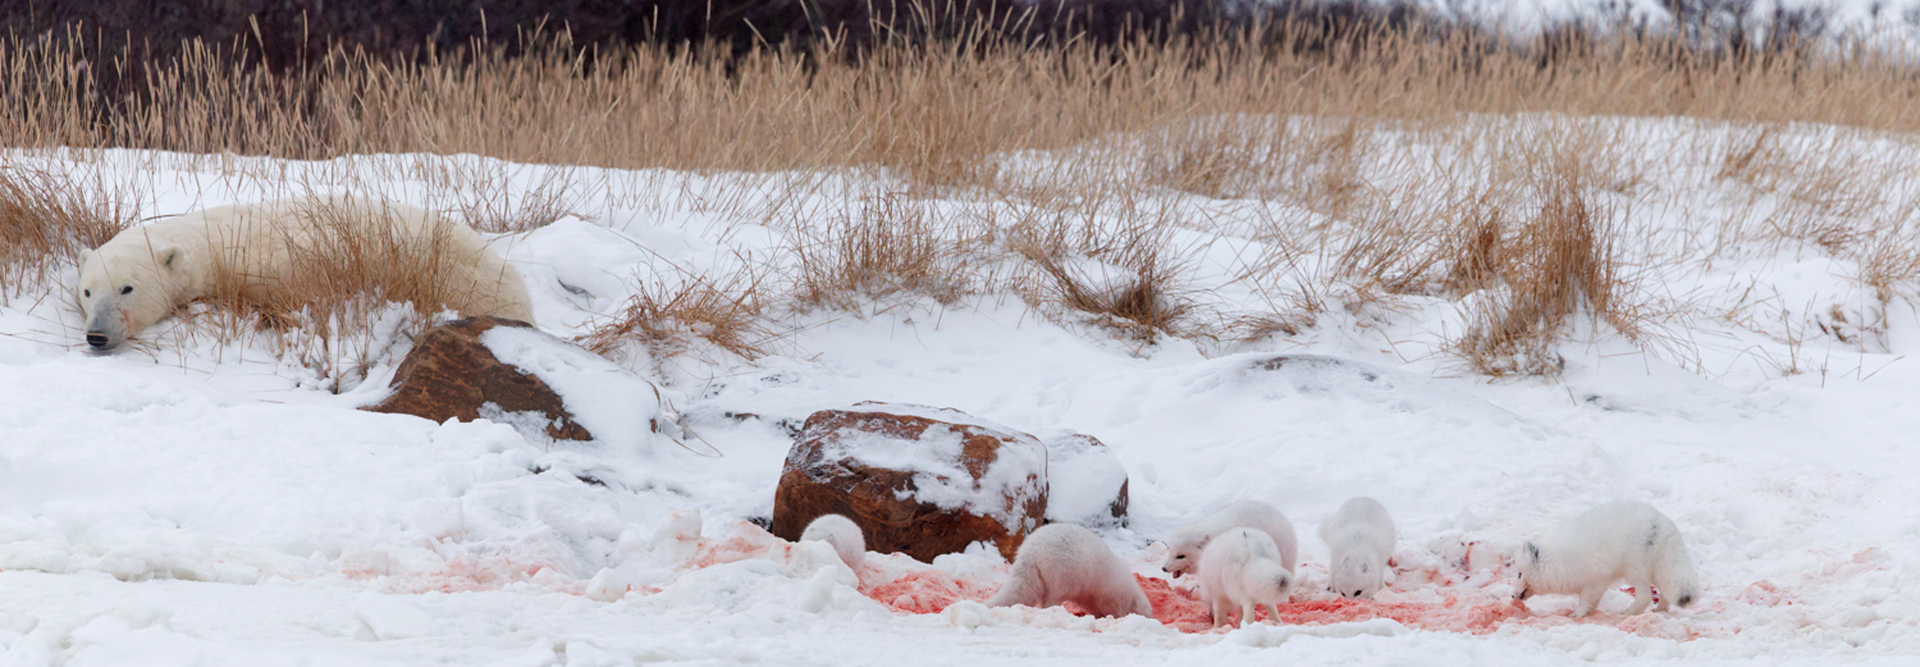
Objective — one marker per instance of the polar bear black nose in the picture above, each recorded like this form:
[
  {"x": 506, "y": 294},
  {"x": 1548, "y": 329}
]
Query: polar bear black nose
[{"x": 97, "y": 340}]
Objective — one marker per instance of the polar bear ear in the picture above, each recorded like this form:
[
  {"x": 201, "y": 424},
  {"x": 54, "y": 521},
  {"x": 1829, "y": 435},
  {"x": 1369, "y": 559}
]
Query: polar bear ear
[{"x": 169, "y": 256}]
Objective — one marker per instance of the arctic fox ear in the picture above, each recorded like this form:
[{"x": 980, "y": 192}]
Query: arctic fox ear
[{"x": 1533, "y": 552}]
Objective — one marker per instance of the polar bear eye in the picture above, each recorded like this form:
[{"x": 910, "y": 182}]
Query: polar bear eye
[
  {"x": 126, "y": 290},
  {"x": 86, "y": 293}
]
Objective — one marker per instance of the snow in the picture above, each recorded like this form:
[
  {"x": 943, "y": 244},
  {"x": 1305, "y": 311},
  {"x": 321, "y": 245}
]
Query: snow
[{"x": 207, "y": 500}]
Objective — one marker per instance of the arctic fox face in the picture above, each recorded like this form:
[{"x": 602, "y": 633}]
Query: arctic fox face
[
  {"x": 1357, "y": 577},
  {"x": 1529, "y": 564}
]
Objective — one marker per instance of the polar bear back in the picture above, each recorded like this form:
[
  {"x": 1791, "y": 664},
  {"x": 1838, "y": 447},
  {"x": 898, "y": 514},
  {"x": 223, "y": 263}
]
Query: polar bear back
[{"x": 258, "y": 243}]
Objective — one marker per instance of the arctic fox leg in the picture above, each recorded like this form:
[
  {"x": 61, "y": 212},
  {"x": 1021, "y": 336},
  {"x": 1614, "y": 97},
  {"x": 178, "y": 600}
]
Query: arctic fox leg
[
  {"x": 1220, "y": 612},
  {"x": 1590, "y": 599},
  {"x": 1642, "y": 594}
]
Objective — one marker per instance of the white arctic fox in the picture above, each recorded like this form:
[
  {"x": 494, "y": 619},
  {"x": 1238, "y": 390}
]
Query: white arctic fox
[
  {"x": 843, "y": 534},
  {"x": 1360, "y": 539},
  {"x": 1062, "y": 562},
  {"x": 1623, "y": 539},
  {"x": 1190, "y": 540},
  {"x": 1241, "y": 568}
]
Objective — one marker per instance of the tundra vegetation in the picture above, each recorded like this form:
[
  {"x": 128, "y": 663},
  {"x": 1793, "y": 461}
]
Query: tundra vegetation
[{"x": 1341, "y": 165}]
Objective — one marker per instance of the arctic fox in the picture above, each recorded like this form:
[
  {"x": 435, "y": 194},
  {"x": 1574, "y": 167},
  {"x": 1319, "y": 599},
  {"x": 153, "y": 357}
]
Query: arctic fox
[
  {"x": 843, "y": 534},
  {"x": 1623, "y": 539},
  {"x": 1062, "y": 562},
  {"x": 1241, "y": 568},
  {"x": 1360, "y": 539},
  {"x": 1189, "y": 541}
]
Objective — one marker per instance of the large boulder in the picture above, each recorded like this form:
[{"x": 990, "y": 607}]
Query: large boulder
[
  {"x": 1086, "y": 484},
  {"x": 918, "y": 480},
  {"x": 506, "y": 371}
]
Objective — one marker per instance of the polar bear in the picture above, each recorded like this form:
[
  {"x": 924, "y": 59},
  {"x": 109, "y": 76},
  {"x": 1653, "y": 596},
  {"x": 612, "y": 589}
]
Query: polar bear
[
  {"x": 245, "y": 251},
  {"x": 1360, "y": 539},
  {"x": 1187, "y": 543},
  {"x": 1062, "y": 562},
  {"x": 843, "y": 534},
  {"x": 1623, "y": 539}
]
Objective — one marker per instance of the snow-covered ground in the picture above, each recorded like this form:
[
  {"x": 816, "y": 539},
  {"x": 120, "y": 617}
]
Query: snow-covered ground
[{"x": 205, "y": 501}]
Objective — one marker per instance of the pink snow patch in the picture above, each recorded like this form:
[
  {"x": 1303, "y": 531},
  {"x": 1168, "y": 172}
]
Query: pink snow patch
[
  {"x": 1765, "y": 594},
  {"x": 1173, "y": 607},
  {"x": 747, "y": 542},
  {"x": 927, "y": 591},
  {"x": 469, "y": 573}
]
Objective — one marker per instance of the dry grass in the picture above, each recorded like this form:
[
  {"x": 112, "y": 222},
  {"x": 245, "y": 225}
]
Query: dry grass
[
  {"x": 1061, "y": 146},
  {"x": 46, "y": 221},
  {"x": 932, "y": 112},
  {"x": 668, "y": 317},
  {"x": 890, "y": 246},
  {"x": 1560, "y": 264},
  {"x": 1121, "y": 272}
]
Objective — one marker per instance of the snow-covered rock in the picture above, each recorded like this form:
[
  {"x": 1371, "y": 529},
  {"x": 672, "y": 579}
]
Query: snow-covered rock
[{"x": 918, "y": 480}]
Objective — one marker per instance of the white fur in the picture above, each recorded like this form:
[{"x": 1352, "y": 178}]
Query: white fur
[
  {"x": 1189, "y": 541},
  {"x": 1360, "y": 539},
  {"x": 1623, "y": 539},
  {"x": 1063, "y": 562},
  {"x": 143, "y": 273},
  {"x": 843, "y": 534},
  {"x": 1241, "y": 568}
]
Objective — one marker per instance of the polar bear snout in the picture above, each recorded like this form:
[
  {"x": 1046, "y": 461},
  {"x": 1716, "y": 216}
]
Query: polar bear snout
[{"x": 107, "y": 329}]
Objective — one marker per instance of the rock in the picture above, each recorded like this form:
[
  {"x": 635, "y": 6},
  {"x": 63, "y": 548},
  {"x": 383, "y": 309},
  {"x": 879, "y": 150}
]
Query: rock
[
  {"x": 1086, "y": 484},
  {"x": 506, "y": 371},
  {"x": 917, "y": 480}
]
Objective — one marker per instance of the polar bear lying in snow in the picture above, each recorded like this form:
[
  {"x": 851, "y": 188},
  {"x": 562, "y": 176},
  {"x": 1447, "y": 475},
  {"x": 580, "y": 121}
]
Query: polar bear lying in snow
[{"x": 144, "y": 273}]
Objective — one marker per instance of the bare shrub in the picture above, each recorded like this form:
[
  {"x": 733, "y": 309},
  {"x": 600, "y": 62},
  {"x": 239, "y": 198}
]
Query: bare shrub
[
  {"x": 890, "y": 246},
  {"x": 484, "y": 194},
  {"x": 1123, "y": 276},
  {"x": 666, "y": 317},
  {"x": 1559, "y": 264}
]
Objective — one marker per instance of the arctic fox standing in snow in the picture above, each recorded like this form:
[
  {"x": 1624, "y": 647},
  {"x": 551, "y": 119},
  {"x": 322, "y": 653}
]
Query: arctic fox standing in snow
[
  {"x": 1241, "y": 568},
  {"x": 1062, "y": 562},
  {"x": 1360, "y": 539},
  {"x": 1189, "y": 541},
  {"x": 1623, "y": 539},
  {"x": 843, "y": 534}
]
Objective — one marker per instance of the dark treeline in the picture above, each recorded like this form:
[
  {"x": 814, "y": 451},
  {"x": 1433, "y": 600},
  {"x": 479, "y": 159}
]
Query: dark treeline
[{"x": 284, "y": 33}]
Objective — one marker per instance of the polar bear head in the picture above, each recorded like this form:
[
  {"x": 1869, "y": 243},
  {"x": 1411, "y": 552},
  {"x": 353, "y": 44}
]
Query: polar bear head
[{"x": 125, "y": 286}]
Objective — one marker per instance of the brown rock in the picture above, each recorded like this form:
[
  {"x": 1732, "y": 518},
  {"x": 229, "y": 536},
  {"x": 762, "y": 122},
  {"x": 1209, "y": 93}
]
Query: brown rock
[
  {"x": 450, "y": 374},
  {"x": 917, "y": 480}
]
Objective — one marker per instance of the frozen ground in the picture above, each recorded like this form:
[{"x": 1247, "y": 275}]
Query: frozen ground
[{"x": 206, "y": 502}]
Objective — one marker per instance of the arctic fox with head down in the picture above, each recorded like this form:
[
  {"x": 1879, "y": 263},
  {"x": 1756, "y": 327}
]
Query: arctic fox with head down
[
  {"x": 1241, "y": 568},
  {"x": 1623, "y": 539},
  {"x": 1062, "y": 562},
  {"x": 1188, "y": 542},
  {"x": 843, "y": 534},
  {"x": 1360, "y": 539}
]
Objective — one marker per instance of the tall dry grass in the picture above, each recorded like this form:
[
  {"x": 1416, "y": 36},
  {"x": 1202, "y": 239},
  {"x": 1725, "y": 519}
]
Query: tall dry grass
[
  {"x": 1292, "y": 112},
  {"x": 47, "y": 220}
]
